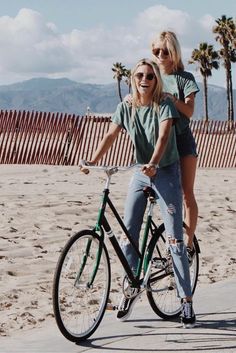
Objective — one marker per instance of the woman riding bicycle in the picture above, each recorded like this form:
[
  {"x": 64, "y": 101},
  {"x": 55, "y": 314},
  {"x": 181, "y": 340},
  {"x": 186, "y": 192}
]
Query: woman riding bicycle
[{"x": 150, "y": 124}]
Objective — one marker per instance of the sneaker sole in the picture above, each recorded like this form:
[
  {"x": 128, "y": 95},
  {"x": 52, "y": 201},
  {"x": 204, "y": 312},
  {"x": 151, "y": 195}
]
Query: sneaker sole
[
  {"x": 125, "y": 317},
  {"x": 189, "y": 325}
]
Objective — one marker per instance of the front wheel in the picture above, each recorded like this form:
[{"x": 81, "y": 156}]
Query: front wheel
[
  {"x": 162, "y": 292},
  {"x": 81, "y": 286}
]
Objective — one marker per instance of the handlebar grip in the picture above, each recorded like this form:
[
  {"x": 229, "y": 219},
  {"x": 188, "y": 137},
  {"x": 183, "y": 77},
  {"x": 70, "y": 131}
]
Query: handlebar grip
[{"x": 82, "y": 165}]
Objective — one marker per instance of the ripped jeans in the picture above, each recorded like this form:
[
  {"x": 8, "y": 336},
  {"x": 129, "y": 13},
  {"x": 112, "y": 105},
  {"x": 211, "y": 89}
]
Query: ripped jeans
[{"x": 167, "y": 185}]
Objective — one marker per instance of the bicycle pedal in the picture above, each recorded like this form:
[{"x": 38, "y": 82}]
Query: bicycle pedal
[{"x": 158, "y": 263}]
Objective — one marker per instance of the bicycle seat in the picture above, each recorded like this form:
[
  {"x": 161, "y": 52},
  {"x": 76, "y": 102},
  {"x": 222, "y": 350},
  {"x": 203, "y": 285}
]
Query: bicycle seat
[{"x": 149, "y": 192}]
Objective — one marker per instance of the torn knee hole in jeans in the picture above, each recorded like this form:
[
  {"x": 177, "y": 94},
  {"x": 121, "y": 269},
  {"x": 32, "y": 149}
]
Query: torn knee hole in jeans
[
  {"x": 174, "y": 241},
  {"x": 171, "y": 209}
]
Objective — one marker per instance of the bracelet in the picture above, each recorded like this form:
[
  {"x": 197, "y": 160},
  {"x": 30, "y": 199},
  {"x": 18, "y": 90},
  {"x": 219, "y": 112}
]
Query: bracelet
[{"x": 153, "y": 165}]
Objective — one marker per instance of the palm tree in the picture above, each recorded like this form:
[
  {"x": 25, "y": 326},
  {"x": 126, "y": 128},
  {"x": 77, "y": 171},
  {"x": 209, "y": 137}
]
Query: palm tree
[
  {"x": 119, "y": 70},
  {"x": 226, "y": 36},
  {"x": 127, "y": 75},
  {"x": 207, "y": 59}
]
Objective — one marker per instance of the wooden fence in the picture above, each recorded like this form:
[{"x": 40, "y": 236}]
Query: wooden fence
[{"x": 63, "y": 139}]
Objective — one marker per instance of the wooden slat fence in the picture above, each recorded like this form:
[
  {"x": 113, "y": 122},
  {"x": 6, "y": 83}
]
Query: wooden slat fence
[
  {"x": 64, "y": 139},
  {"x": 216, "y": 143}
]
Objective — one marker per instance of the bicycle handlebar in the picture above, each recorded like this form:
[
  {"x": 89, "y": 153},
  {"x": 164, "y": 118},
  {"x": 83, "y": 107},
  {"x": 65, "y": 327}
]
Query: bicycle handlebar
[{"x": 107, "y": 169}]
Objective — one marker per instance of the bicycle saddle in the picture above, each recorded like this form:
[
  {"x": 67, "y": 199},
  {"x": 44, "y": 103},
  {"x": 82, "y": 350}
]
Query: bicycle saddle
[{"x": 149, "y": 192}]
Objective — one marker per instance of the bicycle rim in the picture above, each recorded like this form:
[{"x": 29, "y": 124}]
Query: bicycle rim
[{"x": 78, "y": 306}]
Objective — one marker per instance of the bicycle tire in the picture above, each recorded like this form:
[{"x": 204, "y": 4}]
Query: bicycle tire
[
  {"x": 79, "y": 307},
  {"x": 162, "y": 294}
]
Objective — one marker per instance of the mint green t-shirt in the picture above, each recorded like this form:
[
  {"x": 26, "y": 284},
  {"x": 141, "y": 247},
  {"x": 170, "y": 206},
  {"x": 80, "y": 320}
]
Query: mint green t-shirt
[
  {"x": 144, "y": 130},
  {"x": 181, "y": 84}
]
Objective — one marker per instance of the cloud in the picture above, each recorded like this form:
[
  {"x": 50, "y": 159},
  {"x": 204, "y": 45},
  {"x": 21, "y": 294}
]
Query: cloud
[
  {"x": 207, "y": 22},
  {"x": 32, "y": 47},
  {"x": 156, "y": 18},
  {"x": 29, "y": 45}
]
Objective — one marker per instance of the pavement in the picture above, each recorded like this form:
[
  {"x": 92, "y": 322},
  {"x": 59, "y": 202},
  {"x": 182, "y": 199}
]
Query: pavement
[{"x": 215, "y": 332}]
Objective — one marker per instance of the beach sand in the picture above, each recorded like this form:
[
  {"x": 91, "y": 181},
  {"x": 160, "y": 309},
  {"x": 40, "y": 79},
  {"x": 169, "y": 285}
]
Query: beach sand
[{"x": 41, "y": 206}]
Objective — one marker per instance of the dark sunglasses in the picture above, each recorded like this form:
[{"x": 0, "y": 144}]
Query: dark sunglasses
[
  {"x": 140, "y": 75},
  {"x": 157, "y": 51}
]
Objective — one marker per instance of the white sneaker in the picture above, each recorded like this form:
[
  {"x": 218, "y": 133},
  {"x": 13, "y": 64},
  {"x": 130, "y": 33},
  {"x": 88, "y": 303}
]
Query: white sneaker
[
  {"x": 188, "y": 316},
  {"x": 126, "y": 306}
]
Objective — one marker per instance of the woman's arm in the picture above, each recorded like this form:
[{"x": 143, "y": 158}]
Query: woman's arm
[
  {"x": 106, "y": 143},
  {"x": 164, "y": 133},
  {"x": 186, "y": 107}
]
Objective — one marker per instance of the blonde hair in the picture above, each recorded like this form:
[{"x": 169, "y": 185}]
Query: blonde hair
[
  {"x": 157, "y": 93},
  {"x": 171, "y": 42}
]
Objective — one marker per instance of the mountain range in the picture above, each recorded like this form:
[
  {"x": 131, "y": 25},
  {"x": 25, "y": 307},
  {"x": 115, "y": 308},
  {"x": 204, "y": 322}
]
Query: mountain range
[{"x": 67, "y": 96}]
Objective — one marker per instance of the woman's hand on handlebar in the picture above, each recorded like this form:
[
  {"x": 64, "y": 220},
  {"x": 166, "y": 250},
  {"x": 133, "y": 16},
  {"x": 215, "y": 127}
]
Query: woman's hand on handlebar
[
  {"x": 149, "y": 170},
  {"x": 83, "y": 164}
]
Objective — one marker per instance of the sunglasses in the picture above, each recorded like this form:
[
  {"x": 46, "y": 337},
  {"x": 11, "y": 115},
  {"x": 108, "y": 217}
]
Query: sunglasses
[
  {"x": 140, "y": 76},
  {"x": 157, "y": 51}
]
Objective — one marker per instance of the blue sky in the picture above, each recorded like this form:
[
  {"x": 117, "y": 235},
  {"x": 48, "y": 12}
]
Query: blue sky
[{"x": 81, "y": 39}]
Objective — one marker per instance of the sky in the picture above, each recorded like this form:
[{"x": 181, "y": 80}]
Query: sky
[{"x": 82, "y": 39}]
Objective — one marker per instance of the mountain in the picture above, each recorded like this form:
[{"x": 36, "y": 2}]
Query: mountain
[
  {"x": 217, "y": 103},
  {"x": 58, "y": 95},
  {"x": 66, "y": 96}
]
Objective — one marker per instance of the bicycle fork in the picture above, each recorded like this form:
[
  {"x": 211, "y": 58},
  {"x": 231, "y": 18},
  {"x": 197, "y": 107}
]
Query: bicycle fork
[{"x": 83, "y": 264}]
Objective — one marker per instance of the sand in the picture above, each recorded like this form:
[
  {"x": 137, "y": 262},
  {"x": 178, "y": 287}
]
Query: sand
[{"x": 41, "y": 206}]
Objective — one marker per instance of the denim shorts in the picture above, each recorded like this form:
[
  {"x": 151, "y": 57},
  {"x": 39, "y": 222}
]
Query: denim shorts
[{"x": 186, "y": 144}]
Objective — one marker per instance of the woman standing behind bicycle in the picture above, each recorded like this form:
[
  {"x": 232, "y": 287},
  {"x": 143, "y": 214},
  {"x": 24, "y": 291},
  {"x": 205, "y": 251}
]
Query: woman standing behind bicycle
[
  {"x": 149, "y": 122},
  {"x": 181, "y": 88}
]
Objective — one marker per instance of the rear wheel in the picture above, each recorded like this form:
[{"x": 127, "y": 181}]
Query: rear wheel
[
  {"x": 81, "y": 286},
  {"x": 162, "y": 292}
]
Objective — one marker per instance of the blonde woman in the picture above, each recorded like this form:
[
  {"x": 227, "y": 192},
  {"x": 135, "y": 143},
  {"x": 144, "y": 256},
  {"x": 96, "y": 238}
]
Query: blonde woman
[
  {"x": 181, "y": 87},
  {"x": 149, "y": 122}
]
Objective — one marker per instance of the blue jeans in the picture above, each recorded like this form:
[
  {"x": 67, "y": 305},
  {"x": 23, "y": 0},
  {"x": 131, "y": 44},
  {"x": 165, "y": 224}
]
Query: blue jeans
[{"x": 167, "y": 186}]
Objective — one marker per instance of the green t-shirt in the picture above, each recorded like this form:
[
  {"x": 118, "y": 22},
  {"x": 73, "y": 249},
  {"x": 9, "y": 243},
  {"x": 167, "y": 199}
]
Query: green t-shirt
[
  {"x": 181, "y": 84},
  {"x": 144, "y": 130}
]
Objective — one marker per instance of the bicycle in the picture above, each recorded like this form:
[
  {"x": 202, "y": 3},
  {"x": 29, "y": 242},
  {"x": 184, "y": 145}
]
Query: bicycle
[{"x": 82, "y": 277}]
